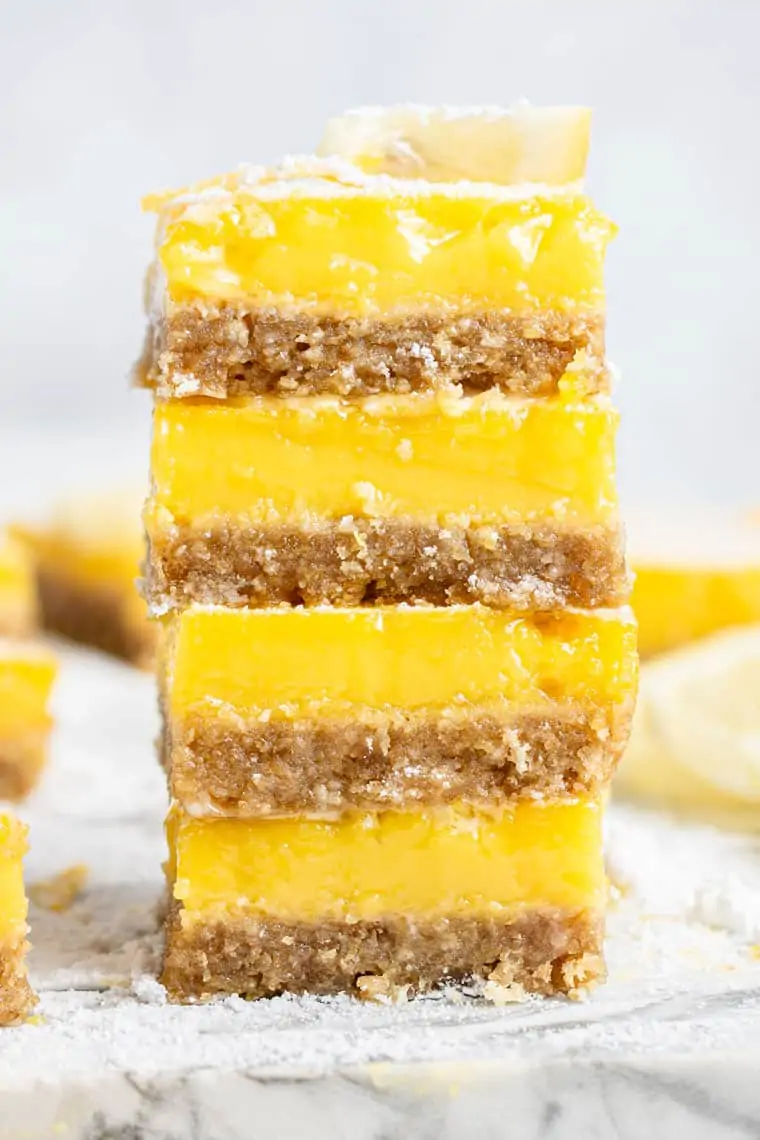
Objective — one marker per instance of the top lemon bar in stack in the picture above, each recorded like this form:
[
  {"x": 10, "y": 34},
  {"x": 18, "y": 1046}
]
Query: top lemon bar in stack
[
  {"x": 472, "y": 312},
  {"x": 481, "y": 264},
  {"x": 396, "y": 669}
]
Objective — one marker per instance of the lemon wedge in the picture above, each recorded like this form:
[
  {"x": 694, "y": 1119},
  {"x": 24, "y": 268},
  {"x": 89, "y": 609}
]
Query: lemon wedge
[
  {"x": 507, "y": 146},
  {"x": 696, "y": 732}
]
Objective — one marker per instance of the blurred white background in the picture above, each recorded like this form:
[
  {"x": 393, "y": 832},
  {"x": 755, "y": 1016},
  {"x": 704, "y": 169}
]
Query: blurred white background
[{"x": 105, "y": 100}]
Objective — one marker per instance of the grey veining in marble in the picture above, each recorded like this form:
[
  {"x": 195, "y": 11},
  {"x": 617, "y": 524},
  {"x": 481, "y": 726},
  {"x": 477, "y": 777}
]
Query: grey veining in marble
[{"x": 671, "y": 1043}]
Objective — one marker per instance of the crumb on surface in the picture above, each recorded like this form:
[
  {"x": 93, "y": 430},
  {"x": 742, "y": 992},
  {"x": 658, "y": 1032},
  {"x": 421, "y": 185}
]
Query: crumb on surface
[
  {"x": 61, "y": 891},
  {"x": 376, "y": 987}
]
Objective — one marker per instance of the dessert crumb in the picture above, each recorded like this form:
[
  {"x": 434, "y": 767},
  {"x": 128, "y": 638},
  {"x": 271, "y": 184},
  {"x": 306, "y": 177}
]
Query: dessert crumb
[{"x": 61, "y": 891}]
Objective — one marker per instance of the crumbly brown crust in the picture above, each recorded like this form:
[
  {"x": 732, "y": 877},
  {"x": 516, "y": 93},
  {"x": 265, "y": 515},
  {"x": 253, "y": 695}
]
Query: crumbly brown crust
[
  {"x": 360, "y": 561},
  {"x": 233, "y": 350},
  {"x": 95, "y": 616},
  {"x": 542, "y": 952},
  {"x": 22, "y": 759},
  {"x": 17, "y": 998},
  {"x": 400, "y": 762}
]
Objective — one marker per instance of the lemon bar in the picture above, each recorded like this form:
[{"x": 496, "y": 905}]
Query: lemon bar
[
  {"x": 16, "y": 997},
  {"x": 321, "y": 277},
  {"x": 88, "y": 559},
  {"x": 27, "y": 673},
  {"x": 373, "y": 902},
  {"x": 426, "y": 497},
  {"x": 314, "y": 710},
  {"x": 18, "y": 594},
  {"x": 695, "y": 574}
]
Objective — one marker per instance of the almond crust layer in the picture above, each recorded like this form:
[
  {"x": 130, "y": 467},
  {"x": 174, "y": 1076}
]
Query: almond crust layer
[
  {"x": 541, "y": 952},
  {"x": 400, "y": 762},
  {"x": 95, "y": 616},
  {"x": 22, "y": 760},
  {"x": 360, "y": 561},
  {"x": 233, "y": 350},
  {"x": 17, "y": 998}
]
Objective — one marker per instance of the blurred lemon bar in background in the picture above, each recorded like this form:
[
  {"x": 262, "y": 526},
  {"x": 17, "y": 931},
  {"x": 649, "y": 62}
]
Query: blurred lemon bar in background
[
  {"x": 27, "y": 672},
  {"x": 18, "y": 589},
  {"x": 16, "y": 996},
  {"x": 88, "y": 558},
  {"x": 696, "y": 573}
]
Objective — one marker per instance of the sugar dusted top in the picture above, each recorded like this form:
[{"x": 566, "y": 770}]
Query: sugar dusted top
[
  {"x": 418, "y": 151},
  {"x": 403, "y": 210}
]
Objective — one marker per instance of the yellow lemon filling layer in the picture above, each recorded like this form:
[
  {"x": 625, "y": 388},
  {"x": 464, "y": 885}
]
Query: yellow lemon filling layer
[
  {"x": 26, "y": 679},
  {"x": 13, "y": 905},
  {"x": 474, "y": 460},
  {"x": 369, "y": 866},
  {"x": 300, "y": 661},
  {"x": 382, "y": 247},
  {"x": 18, "y": 598}
]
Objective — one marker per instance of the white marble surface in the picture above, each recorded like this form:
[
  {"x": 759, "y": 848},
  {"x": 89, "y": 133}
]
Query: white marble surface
[{"x": 672, "y": 1042}]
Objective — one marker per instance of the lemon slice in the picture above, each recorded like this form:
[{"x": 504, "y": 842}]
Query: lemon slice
[
  {"x": 507, "y": 146},
  {"x": 696, "y": 731}
]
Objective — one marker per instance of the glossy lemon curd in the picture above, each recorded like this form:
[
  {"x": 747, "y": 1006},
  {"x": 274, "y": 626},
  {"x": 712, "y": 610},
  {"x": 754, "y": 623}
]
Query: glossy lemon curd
[
  {"x": 365, "y": 251},
  {"x": 367, "y": 866},
  {"x": 470, "y": 460},
  {"x": 26, "y": 679},
  {"x": 13, "y": 905},
  {"x": 327, "y": 661}
]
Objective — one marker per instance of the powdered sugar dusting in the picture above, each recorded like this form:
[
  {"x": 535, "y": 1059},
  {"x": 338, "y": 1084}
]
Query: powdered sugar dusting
[{"x": 308, "y": 176}]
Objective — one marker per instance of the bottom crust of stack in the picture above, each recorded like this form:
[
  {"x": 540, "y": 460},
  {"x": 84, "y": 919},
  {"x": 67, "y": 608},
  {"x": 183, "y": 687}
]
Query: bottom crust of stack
[
  {"x": 539, "y": 952},
  {"x": 17, "y": 998},
  {"x": 22, "y": 759},
  {"x": 95, "y": 616}
]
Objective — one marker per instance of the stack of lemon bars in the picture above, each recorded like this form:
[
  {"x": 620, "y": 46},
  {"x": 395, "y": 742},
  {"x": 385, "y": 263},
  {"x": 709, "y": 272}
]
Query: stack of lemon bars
[{"x": 396, "y": 670}]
